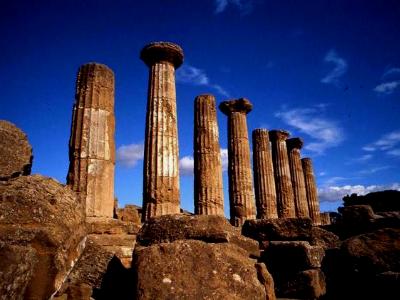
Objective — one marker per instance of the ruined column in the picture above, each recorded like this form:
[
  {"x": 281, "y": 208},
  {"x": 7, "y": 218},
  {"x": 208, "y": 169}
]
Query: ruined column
[
  {"x": 325, "y": 218},
  {"x": 296, "y": 173},
  {"x": 311, "y": 189},
  {"x": 264, "y": 182},
  {"x": 283, "y": 181},
  {"x": 161, "y": 161},
  {"x": 241, "y": 196},
  {"x": 208, "y": 193},
  {"x": 92, "y": 144}
]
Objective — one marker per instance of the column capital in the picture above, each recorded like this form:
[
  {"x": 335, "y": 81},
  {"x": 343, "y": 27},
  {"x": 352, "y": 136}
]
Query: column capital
[
  {"x": 162, "y": 51},
  {"x": 278, "y": 135},
  {"x": 294, "y": 143},
  {"x": 236, "y": 105}
]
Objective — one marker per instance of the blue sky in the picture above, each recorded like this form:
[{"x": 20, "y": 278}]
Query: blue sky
[{"x": 327, "y": 71}]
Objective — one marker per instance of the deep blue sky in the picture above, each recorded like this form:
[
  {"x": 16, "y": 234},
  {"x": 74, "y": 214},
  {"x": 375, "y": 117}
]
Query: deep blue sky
[{"x": 327, "y": 71}]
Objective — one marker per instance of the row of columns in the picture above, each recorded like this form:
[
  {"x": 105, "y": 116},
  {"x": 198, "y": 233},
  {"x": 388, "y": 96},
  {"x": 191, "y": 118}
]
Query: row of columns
[{"x": 284, "y": 184}]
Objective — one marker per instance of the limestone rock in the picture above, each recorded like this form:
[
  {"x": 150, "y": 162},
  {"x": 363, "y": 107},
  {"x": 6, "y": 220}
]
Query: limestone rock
[
  {"x": 292, "y": 256},
  {"x": 323, "y": 238},
  {"x": 374, "y": 252},
  {"x": 129, "y": 213},
  {"x": 39, "y": 212},
  {"x": 196, "y": 270},
  {"x": 17, "y": 264},
  {"x": 309, "y": 285},
  {"x": 15, "y": 151},
  {"x": 290, "y": 229},
  {"x": 211, "y": 229}
]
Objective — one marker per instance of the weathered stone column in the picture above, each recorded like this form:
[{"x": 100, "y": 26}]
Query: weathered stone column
[
  {"x": 296, "y": 173},
  {"x": 241, "y": 195},
  {"x": 264, "y": 181},
  {"x": 161, "y": 161},
  {"x": 325, "y": 218},
  {"x": 208, "y": 192},
  {"x": 92, "y": 145},
  {"x": 311, "y": 189},
  {"x": 283, "y": 181}
]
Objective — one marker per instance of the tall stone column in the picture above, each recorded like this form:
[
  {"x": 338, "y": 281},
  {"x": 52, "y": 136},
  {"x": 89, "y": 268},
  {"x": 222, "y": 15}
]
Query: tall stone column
[
  {"x": 161, "y": 161},
  {"x": 241, "y": 196},
  {"x": 311, "y": 189},
  {"x": 92, "y": 144},
  {"x": 296, "y": 172},
  {"x": 264, "y": 181},
  {"x": 283, "y": 181},
  {"x": 208, "y": 192}
]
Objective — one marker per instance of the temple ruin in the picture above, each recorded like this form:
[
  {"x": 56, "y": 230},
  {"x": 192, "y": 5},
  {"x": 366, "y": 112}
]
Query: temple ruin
[
  {"x": 296, "y": 173},
  {"x": 161, "y": 152},
  {"x": 241, "y": 196},
  {"x": 208, "y": 191},
  {"x": 283, "y": 181},
  {"x": 311, "y": 189},
  {"x": 92, "y": 145},
  {"x": 264, "y": 181}
]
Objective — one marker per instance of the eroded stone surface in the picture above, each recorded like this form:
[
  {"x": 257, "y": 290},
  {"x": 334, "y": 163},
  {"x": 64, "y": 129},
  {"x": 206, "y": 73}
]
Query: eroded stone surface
[
  {"x": 92, "y": 144},
  {"x": 264, "y": 181},
  {"x": 161, "y": 154},
  {"x": 196, "y": 270},
  {"x": 211, "y": 229},
  {"x": 311, "y": 190},
  {"x": 208, "y": 191},
  {"x": 297, "y": 175},
  {"x": 41, "y": 213},
  {"x": 241, "y": 195},
  {"x": 15, "y": 151},
  {"x": 283, "y": 181}
]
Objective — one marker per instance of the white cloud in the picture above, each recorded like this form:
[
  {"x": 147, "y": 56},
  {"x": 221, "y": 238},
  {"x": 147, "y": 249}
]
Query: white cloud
[
  {"x": 394, "y": 152},
  {"x": 244, "y": 6},
  {"x": 339, "y": 69},
  {"x": 336, "y": 193},
  {"x": 186, "y": 163},
  {"x": 386, "y": 143},
  {"x": 129, "y": 155},
  {"x": 191, "y": 75},
  {"x": 373, "y": 170},
  {"x": 391, "y": 71},
  {"x": 361, "y": 159},
  {"x": 326, "y": 133},
  {"x": 387, "y": 87}
]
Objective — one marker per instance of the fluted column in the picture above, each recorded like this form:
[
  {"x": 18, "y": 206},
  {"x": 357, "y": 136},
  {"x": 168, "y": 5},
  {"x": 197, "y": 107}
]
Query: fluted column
[
  {"x": 264, "y": 181},
  {"x": 92, "y": 145},
  {"x": 241, "y": 195},
  {"x": 311, "y": 189},
  {"x": 161, "y": 169},
  {"x": 296, "y": 172},
  {"x": 325, "y": 218},
  {"x": 283, "y": 181},
  {"x": 208, "y": 192}
]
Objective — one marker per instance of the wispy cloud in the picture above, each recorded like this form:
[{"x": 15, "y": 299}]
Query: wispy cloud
[
  {"x": 191, "y": 75},
  {"x": 390, "y": 72},
  {"x": 336, "y": 193},
  {"x": 130, "y": 155},
  {"x": 387, "y": 88},
  {"x": 394, "y": 152},
  {"x": 386, "y": 143},
  {"x": 186, "y": 163},
  {"x": 244, "y": 6},
  {"x": 340, "y": 67},
  {"x": 371, "y": 171},
  {"x": 362, "y": 159},
  {"x": 325, "y": 132}
]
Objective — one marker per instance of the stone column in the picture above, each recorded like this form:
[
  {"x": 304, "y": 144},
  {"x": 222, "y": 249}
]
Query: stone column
[
  {"x": 92, "y": 145},
  {"x": 161, "y": 160},
  {"x": 241, "y": 195},
  {"x": 311, "y": 189},
  {"x": 208, "y": 192},
  {"x": 325, "y": 218},
  {"x": 264, "y": 181},
  {"x": 296, "y": 173},
  {"x": 283, "y": 181}
]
